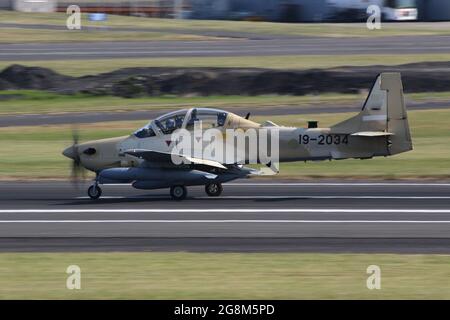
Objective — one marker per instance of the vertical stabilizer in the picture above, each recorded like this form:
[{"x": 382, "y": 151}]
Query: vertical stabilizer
[{"x": 383, "y": 112}]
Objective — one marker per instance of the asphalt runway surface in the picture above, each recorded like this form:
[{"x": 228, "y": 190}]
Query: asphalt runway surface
[
  {"x": 226, "y": 48},
  {"x": 250, "y": 216},
  {"x": 94, "y": 117}
]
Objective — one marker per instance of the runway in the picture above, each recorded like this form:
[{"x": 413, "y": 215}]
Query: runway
[
  {"x": 226, "y": 48},
  {"x": 251, "y": 216}
]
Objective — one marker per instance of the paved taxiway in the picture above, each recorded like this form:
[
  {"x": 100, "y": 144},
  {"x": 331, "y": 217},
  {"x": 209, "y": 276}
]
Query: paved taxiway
[
  {"x": 250, "y": 216},
  {"x": 226, "y": 48}
]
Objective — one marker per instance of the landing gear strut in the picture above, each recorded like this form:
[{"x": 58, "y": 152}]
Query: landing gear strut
[
  {"x": 94, "y": 191},
  {"x": 214, "y": 189},
  {"x": 178, "y": 192}
]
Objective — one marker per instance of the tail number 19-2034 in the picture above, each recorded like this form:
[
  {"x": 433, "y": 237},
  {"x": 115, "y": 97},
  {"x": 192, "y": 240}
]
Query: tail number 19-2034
[{"x": 323, "y": 139}]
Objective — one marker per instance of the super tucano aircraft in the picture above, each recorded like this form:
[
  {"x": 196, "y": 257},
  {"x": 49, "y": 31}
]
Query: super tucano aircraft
[{"x": 145, "y": 158}]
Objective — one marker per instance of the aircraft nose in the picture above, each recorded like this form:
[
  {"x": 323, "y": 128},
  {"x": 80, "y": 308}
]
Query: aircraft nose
[{"x": 70, "y": 152}]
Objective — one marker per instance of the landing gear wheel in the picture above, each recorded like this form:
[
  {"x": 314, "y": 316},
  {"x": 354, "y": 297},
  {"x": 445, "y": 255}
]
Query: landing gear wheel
[
  {"x": 94, "y": 192},
  {"x": 214, "y": 189},
  {"x": 178, "y": 192}
]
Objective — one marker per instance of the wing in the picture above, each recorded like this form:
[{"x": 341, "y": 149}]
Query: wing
[{"x": 165, "y": 157}]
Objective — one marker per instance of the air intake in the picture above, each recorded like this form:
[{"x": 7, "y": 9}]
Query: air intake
[
  {"x": 312, "y": 124},
  {"x": 90, "y": 151}
]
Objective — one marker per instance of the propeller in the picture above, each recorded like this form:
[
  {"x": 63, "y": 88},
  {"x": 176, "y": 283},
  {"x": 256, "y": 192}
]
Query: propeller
[{"x": 78, "y": 171}]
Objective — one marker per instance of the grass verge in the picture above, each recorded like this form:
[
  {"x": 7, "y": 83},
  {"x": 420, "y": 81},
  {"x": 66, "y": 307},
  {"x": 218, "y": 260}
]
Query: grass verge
[
  {"x": 35, "y": 152},
  {"x": 34, "y": 102},
  {"x": 95, "y": 66},
  {"x": 28, "y": 101},
  {"x": 299, "y": 29},
  {"x": 223, "y": 276},
  {"x": 18, "y": 35}
]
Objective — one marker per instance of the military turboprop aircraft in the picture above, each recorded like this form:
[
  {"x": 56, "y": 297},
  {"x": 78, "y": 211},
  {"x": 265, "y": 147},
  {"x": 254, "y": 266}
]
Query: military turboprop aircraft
[{"x": 146, "y": 158}]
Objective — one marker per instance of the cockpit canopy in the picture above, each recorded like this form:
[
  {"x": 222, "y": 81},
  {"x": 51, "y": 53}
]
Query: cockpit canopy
[
  {"x": 186, "y": 119},
  {"x": 168, "y": 123}
]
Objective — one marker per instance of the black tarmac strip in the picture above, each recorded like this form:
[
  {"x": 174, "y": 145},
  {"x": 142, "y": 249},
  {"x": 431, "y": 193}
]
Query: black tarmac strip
[
  {"x": 226, "y": 48},
  {"x": 228, "y": 245},
  {"x": 250, "y": 216}
]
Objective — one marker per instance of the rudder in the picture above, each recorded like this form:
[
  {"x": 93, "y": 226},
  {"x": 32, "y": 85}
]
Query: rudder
[{"x": 397, "y": 117}]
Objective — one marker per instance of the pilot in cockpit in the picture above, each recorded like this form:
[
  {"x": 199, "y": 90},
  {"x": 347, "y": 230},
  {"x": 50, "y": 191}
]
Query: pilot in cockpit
[
  {"x": 179, "y": 121},
  {"x": 170, "y": 125}
]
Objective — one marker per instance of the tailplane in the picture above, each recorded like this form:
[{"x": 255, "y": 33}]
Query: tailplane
[{"x": 383, "y": 114}]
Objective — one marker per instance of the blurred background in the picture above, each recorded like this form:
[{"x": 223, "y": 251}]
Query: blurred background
[
  {"x": 284, "y": 61},
  {"x": 248, "y": 10},
  {"x": 291, "y": 61}
]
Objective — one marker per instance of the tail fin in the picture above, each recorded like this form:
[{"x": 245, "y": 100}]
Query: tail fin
[{"x": 383, "y": 114}]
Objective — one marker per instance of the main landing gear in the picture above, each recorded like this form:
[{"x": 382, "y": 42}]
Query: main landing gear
[
  {"x": 214, "y": 189},
  {"x": 178, "y": 192}
]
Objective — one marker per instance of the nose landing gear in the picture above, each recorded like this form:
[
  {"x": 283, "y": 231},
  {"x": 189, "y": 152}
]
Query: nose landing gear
[{"x": 94, "y": 191}]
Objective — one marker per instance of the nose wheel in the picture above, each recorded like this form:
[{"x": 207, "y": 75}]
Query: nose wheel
[
  {"x": 94, "y": 192},
  {"x": 178, "y": 192},
  {"x": 214, "y": 189}
]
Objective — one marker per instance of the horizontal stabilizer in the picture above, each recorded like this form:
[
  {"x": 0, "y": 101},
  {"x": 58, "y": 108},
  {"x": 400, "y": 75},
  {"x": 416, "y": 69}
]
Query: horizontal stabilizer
[{"x": 372, "y": 134}]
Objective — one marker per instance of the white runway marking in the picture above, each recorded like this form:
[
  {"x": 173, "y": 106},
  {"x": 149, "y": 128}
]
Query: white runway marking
[
  {"x": 312, "y": 210},
  {"x": 331, "y": 184},
  {"x": 231, "y": 221},
  {"x": 326, "y": 197},
  {"x": 341, "y": 184},
  {"x": 289, "y": 197},
  {"x": 114, "y": 197}
]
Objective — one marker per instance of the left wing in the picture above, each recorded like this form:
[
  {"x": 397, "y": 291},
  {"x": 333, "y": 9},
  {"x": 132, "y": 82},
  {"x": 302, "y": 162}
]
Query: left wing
[{"x": 158, "y": 156}]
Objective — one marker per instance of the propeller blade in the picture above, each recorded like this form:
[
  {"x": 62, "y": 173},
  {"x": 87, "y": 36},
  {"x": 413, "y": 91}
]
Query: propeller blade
[
  {"x": 75, "y": 136},
  {"x": 78, "y": 171}
]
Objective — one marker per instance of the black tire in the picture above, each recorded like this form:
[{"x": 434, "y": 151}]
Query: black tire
[
  {"x": 178, "y": 192},
  {"x": 214, "y": 189},
  {"x": 94, "y": 192}
]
